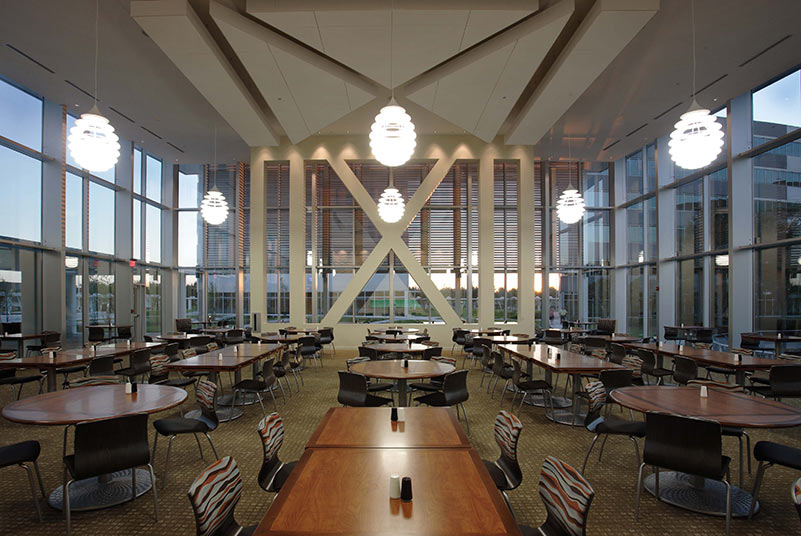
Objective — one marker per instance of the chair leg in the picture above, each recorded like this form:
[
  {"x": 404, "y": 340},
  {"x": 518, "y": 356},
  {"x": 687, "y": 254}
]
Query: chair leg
[
  {"x": 217, "y": 456},
  {"x": 263, "y": 413},
  {"x": 503, "y": 392},
  {"x": 39, "y": 478},
  {"x": 603, "y": 444},
  {"x": 636, "y": 448},
  {"x": 155, "y": 442},
  {"x": 233, "y": 400},
  {"x": 740, "y": 441},
  {"x": 275, "y": 403},
  {"x": 637, "y": 494},
  {"x": 166, "y": 463},
  {"x": 133, "y": 483},
  {"x": 748, "y": 450},
  {"x": 283, "y": 394},
  {"x": 33, "y": 490},
  {"x": 66, "y": 502},
  {"x": 728, "y": 506},
  {"x": 466, "y": 421},
  {"x": 587, "y": 456},
  {"x": 153, "y": 487},
  {"x": 197, "y": 440},
  {"x": 757, "y": 483},
  {"x": 509, "y": 504}
]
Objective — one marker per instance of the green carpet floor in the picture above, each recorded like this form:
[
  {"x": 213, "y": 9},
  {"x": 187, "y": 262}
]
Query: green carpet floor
[{"x": 613, "y": 478}]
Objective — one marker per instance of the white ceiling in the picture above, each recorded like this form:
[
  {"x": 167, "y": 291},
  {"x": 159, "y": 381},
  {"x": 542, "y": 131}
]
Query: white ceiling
[{"x": 605, "y": 74}]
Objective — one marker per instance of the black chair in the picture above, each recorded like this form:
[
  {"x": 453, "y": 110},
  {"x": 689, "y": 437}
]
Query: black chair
[
  {"x": 184, "y": 325},
  {"x": 454, "y": 393},
  {"x": 105, "y": 447},
  {"x": 432, "y": 351},
  {"x": 606, "y": 326},
  {"x": 672, "y": 334},
  {"x": 124, "y": 333},
  {"x": 273, "y": 472},
  {"x": 500, "y": 370},
  {"x": 458, "y": 338},
  {"x": 282, "y": 368},
  {"x": 649, "y": 367},
  {"x": 505, "y": 471},
  {"x": 307, "y": 347},
  {"x": 97, "y": 334},
  {"x": 207, "y": 421},
  {"x": 784, "y": 382},
  {"x": 9, "y": 377},
  {"x": 600, "y": 426},
  {"x": 527, "y": 387},
  {"x": 688, "y": 445},
  {"x": 567, "y": 497},
  {"x": 768, "y": 454},
  {"x": 21, "y": 454},
  {"x": 435, "y": 383},
  {"x": 234, "y": 336},
  {"x": 139, "y": 365},
  {"x": 368, "y": 351},
  {"x": 703, "y": 336},
  {"x": 686, "y": 370},
  {"x": 48, "y": 339},
  {"x": 553, "y": 337},
  {"x": 258, "y": 386},
  {"x": 591, "y": 344},
  {"x": 214, "y": 495},
  {"x": 327, "y": 337},
  {"x": 617, "y": 352},
  {"x": 484, "y": 347},
  {"x": 200, "y": 342},
  {"x": 353, "y": 391}
]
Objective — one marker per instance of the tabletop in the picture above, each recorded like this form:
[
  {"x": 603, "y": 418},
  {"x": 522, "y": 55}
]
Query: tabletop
[
  {"x": 713, "y": 357},
  {"x": 402, "y": 330},
  {"x": 286, "y": 339},
  {"x": 772, "y": 337},
  {"x": 373, "y": 427},
  {"x": 59, "y": 360},
  {"x": 248, "y": 349},
  {"x": 346, "y": 492},
  {"x": 568, "y": 362},
  {"x": 400, "y": 347},
  {"x": 94, "y": 403},
  {"x": 486, "y": 331},
  {"x": 116, "y": 349},
  {"x": 508, "y": 339},
  {"x": 727, "y": 408},
  {"x": 394, "y": 369},
  {"x": 309, "y": 331},
  {"x": 20, "y": 336},
  {"x": 688, "y": 328},
  {"x": 230, "y": 360},
  {"x": 392, "y": 337},
  {"x": 618, "y": 338},
  {"x": 180, "y": 336}
]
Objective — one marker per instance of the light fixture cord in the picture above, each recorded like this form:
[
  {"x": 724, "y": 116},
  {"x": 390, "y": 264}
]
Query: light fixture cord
[
  {"x": 692, "y": 18},
  {"x": 97, "y": 41},
  {"x": 391, "y": 32},
  {"x": 215, "y": 156}
]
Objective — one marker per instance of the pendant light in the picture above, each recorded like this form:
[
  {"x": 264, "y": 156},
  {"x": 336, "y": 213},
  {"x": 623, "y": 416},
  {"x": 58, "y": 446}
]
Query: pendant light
[
  {"x": 570, "y": 206},
  {"x": 697, "y": 138},
  {"x": 92, "y": 142},
  {"x": 392, "y": 140},
  {"x": 214, "y": 207}
]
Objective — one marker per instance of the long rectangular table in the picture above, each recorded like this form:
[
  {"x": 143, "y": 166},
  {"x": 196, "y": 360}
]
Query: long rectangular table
[
  {"x": 568, "y": 363},
  {"x": 75, "y": 357},
  {"x": 20, "y": 339},
  {"x": 740, "y": 364},
  {"x": 777, "y": 339}
]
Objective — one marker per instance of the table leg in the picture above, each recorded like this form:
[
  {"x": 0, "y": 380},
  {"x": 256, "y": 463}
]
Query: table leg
[
  {"x": 699, "y": 494},
  {"x": 778, "y": 348},
  {"x": 51, "y": 380},
  {"x": 20, "y": 349},
  {"x": 101, "y": 492},
  {"x": 402, "y": 396},
  {"x": 573, "y": 417},
  {"x": 739, "y": 377}
]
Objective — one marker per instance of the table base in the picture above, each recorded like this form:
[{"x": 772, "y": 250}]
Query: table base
[
  {"x": 680, "y": 489},
  {"x": 242, "y": 399},
  {"x": 567, "y": 417},
  {"x": 224, "y": 414},
  {"x": 101, "y": 492},
  {"x": 539, "y": 401}
]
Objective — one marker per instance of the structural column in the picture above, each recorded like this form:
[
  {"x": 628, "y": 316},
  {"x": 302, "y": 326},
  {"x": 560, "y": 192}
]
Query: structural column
[{"x": 258, "y": 239}]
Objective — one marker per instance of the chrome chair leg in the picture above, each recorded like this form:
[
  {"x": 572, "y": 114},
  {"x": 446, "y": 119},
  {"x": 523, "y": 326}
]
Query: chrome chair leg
[
  {"x": 197, "y": 440},
  {"x": 466, "y": 420},
  {"x": 637, "y": 494},
  {"x": 589, "y": 450},
  {"x": 216, "y": 456},
  {"x": 39, "y": 478},
  {"x": 166, "y": 463},
  {"x": 509, "y": 504},
  {"x": 153, "y": 487},
  {"x": 66, "y": 502},
  {"x": 603, "y": 444},
  {"x": 33, "y": 490},
  {"x": 275, "y": 402},
  {"x": 757, "y": 483}
]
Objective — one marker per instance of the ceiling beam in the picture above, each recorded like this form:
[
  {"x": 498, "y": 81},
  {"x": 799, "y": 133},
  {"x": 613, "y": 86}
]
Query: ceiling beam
[{"x": 267, "y": 6}]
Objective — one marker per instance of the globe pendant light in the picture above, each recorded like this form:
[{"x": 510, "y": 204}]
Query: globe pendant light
[
  {"x": 570, "y": 205},
  {"x": 214, "y": 207},
  {"x": 392, "y": 136},
  {"x": 92, "y": 142},
  {"x": 697, "y": 138},
  {"x": 390, "y": 204}
]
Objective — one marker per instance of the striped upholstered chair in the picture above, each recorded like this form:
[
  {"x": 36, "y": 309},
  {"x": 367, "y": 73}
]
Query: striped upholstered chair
[
  {"x": 796, "y": 494},
  {"x": 273, "y": 471},
  {"x": 567, "y": 497},
  {"x": 214, "y": 495},
  {"x": 207, "y": 421},
  {"x": 505, "y": 471}
]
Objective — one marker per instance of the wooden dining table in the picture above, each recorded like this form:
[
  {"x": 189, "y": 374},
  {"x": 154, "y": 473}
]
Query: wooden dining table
[
  {"x": 392, "y": 337},
  {"x": 422, "y": 427},
  {"x": 726, "y": 407},
  {"x": 230, "y": 359},
  {"x": 508, "y": 339},
  {"x": 556, "y": 360},
  {"x": 20, "y": 339},
  {"x": 71, "y": 406},
  {"x": 400, "y": 348},
  {"x": 778, "y": 340},
  {"x": 283, "y": 339},
  {"x": 402, "y": 330},
  {"x": 394, "y": 370},
  {"x": 345, "y": 492},
  {"x": 740, "y": 364}
]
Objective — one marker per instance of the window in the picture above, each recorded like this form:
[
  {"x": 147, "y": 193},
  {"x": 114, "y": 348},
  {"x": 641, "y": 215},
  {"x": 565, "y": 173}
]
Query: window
[
  {"x": 720, "y": 297},
  {"x": 653, "y": 295},
  {"x": 137, "y": 229},
  {"x": 635, "y": 307},
  {"x": 505, "y": 241},
  {"x": 634, "y": 175},
  {"x": 188, "y": 243},
  {"x": 719, "y": 208},
  {"x": 190, "y": 295},
  {"x": 189, "y": 195},
  {"x": 635, "y": 233},
  {"x": 596, "y": 286},
  {"x": 650, "y": 168},
  {"x": 20, "y": 116},
  {"x": 21, "y": 184},
  {"x": 73, "y": 212},
  {"x": 776, "y": 109},
  {"x": 651, "y": 218},
  {"x": 689, "y": 292},
  {"x": 107, "y": 175},
  {"x": 101, "y": 219},
  {"x": 153, "y": 233},
  {"x": 102, "y": 292},
  {"x": 690, "y": 218},
  {"x": 152, "y": 301},
  {"x": 277, "y": 246},
  {"x": 73, "y": 305},
  {"x": 778, "y": 288},
  {"x": 137, "y": 171},
  {"x": 221, "y": 295},
  {"x": 19, "y": 287},
  {"x": 777, "y": 193},
  {"x": 153, "y": 179}
]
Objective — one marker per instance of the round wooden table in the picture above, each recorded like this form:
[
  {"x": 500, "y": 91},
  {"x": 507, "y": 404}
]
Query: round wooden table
[
  {"x": 400, "y": 348},
  {"x": 508, "y": 339},
  {"x": 95, "y": 403},
  {"x": 394, "y": 370},
  {"x": 397, "y": 338},
  {"x": 729, "y": 409},
  {"x": 402, "y": 330}
]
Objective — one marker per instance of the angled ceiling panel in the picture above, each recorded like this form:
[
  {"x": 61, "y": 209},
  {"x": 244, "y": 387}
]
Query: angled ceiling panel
[
  {"x": 178, "y": 31},
  {"x": 478, "y": 93},
  {"x": 603, "y": 34}
]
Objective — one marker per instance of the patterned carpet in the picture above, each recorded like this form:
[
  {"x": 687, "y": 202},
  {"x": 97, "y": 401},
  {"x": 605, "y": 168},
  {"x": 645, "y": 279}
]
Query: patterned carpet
[{"x": 614, "y": 478}]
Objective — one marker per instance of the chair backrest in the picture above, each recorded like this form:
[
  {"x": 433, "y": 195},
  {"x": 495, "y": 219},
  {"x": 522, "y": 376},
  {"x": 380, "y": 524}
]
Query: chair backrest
[
  {"x": 124, "y": 332},
  {"x": 567, "y": 497},
  {"x": 183, "y": 324},
  {"x": 685, "y": 370},
  {"x": 197, "y": 342},
  {"x": 615, "y": 379},
  {"x": 210, "y": 347},
  {"x": 11, "y": 327},
  {"x": 616, "y": 353},
  {"x": 685, "y": 444},
  {"x": 648, "y": 360},
  {"x": 480, "y": 346},
  {"x": 507, "y": 434},
  {"x": 606, "y": 326},
  {"x": 268, "y": 372},
  {"x": 785, "y": 380},
  {"x": 214, "y": 495},
  {"x": 497, "y": 362},
  {"x": 592, "y": 343},
  {"x": 206, "y": 396},
  {"x": 271, "y": 432},
  {"x": 671, "y": 333},
  {"x": 703, "y": 335},
  {"x": 235, "y": 334},
  {"x": 96, "y": 333},
  {"x": 455, "y": 387},
  {"x": 140, "y": 361},
  {"x": 749, "y": 342},
  {"x": 157, "y": 371},
  {"x": 110, "y": 445},
  {"x": 360, "y": 359},
  {"x": 102, "y": 366},
  {"x": 444, "y": 359},
  {"x": 596, "y": 393},
  {"x": 352, "y": 389},
  {"x": 634, "y": 363},
  {"x": 171, "y": 351},
  {"x": 51, "y": 338},
  {"x": 432, "y": 351},
  {"x": 188, "y": 352},
  {"x": 487, "y": 353},
  {"x": 368, "y": 351},
  {"x": 307, "y": 345}
]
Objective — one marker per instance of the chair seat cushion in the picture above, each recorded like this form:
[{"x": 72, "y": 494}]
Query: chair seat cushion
[
  {"x": 721, "y": 370},
  {"x": 373, "y": 387},
  {"x": 179, "y": 425},
  {"x": 430, "y": 387},
  {"x": 432, "y": 399},
  {"x": 281, "y": 476},
  {"x": 497, "y": 474},
  {"x": 763, "y": 390},
  {"x": 70, "y": 370},
  {"x": 617, "y": 426},
  {"x": 660, "y": 372},
  {"x": 376, "y": 401},
  {"x": 249, "y": 385},
  {"x": 732, "y": 431},
  {"x": 525, "y": 530},
  {"x": 779, "y": 454},
  {"x": 759, "y": 380},
  {"x": 26, "y": 451}
]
